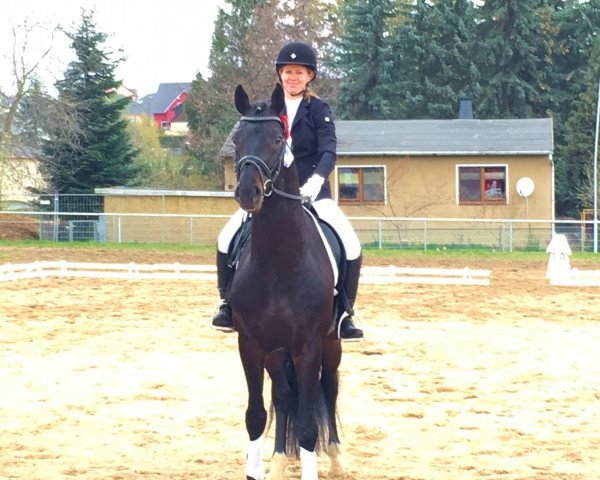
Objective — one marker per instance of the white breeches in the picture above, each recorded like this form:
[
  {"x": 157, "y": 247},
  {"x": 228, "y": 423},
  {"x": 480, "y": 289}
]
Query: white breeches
[
  {"x": 327, "y": 209},
  {"x": 228, "y": 232}
]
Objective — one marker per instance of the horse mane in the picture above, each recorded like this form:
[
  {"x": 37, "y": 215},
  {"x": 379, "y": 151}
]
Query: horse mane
[{"x": 260, "y": 109}]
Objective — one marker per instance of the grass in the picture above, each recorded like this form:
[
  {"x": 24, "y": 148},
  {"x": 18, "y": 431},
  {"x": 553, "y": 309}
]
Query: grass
[
  {"x": 161, "y": 247},
  {"x": 439, "y": 252}
]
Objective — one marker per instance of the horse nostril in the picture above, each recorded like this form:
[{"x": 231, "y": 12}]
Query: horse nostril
[{"x": 257, "y": 192}]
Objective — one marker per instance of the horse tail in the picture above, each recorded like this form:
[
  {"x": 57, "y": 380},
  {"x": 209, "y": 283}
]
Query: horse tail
[{"x": 321, "y": 416}]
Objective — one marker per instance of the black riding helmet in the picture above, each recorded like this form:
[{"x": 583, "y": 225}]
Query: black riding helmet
[{"x": 297, "y": 53}]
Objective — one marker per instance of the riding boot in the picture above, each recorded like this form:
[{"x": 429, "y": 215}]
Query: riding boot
[
  {"x": 222, "y": 318},
  {"x": 348, "y": 331}
]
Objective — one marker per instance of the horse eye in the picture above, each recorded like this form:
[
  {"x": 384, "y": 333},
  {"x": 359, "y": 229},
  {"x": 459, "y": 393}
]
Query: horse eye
[{"x": 279, "y": 139}]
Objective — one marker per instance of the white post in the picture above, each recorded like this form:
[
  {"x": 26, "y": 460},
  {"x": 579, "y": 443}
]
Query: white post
[{"x": 596, "y": 170}]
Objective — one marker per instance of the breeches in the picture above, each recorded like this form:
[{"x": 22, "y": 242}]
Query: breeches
[{"x": 327, "y": 209}]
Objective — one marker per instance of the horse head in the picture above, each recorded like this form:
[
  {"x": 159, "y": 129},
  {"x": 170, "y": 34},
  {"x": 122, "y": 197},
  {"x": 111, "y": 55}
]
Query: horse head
[{"x": 259, "y": 147}]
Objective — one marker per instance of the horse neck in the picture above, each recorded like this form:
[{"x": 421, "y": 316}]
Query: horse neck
[{"x": 281, "y": 222}]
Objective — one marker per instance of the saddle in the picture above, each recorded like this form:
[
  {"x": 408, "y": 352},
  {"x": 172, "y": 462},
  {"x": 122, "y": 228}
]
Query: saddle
[{"x": 334, "y": 243}]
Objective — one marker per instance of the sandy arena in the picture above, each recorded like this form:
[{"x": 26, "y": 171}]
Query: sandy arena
[{"x": 123, "y": 380}]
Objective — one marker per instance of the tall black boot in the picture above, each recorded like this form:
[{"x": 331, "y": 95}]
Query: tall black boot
[
  {"x": 222, "y": 318},
  {"x": 348, "y": 330}
]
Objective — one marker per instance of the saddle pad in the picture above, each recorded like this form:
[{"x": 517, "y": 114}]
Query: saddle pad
[{"x": 327, "y": 248}]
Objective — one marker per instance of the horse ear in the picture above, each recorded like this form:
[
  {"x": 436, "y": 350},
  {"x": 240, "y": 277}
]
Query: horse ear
[
  {"x": 242, "y": 102},
  {"x": 278, "y": 99}
]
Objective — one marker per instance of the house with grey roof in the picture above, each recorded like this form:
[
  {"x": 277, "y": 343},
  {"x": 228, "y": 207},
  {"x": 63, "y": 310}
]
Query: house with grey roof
[
  {"x": 461, "y": 168},
  {"x": 165, "y": 106}
]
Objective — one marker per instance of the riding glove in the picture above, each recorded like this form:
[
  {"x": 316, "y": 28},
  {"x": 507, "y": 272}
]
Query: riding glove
[{"x": 312, "y": 187}]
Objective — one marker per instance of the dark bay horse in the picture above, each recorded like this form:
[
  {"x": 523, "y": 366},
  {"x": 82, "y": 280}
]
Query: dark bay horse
[{"x": 282, "y": 300}]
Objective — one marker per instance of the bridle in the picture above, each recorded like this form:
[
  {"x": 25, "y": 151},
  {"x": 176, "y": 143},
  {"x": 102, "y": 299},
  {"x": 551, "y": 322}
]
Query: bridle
[{"x": 267, "y": 175}]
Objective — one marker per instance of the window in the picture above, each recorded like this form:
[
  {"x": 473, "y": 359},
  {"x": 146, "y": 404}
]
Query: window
[
  {"x": 164, "y": 125},
  {"x": 361, "y": 184},
  {"x": 479, "y": 184}
]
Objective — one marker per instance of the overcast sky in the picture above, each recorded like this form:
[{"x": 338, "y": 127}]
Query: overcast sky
[{"x": 164, "y": 41}]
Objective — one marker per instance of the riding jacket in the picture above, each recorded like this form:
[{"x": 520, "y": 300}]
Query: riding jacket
[{"x": 314, "y": 142}]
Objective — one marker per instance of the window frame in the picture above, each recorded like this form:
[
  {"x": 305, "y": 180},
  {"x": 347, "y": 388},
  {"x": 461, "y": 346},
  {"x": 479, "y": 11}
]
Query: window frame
[
  {"x": 360, "y": 201},
  {"x": 483, "y": 200}
]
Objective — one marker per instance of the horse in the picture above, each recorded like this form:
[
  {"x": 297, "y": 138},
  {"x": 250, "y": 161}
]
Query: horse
[{"x": 282, "y": 299}]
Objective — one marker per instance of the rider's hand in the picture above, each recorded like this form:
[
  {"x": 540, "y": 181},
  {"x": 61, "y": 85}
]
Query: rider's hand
[{"x": 312, "y": 187}]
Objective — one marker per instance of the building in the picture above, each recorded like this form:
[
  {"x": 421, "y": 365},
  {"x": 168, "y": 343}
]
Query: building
[
  {"x": 19, "y": 175},
  {"x": 166, "y": 107},
  {"x": 461, "y": 168},
  {"x": 409, "y": 169}
]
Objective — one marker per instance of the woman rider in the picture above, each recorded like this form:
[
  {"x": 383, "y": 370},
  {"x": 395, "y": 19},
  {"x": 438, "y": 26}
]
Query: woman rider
[{"x": 311, "y": 134}]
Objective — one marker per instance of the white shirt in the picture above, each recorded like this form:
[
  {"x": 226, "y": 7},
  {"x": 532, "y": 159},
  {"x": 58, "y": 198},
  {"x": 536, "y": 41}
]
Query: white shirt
[{"x": 291, "y": 108}]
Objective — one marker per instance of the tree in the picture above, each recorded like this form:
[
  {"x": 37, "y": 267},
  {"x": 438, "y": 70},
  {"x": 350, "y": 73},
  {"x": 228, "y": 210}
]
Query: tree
[
  {"x": 433, "y": 60},
  {"x": 27, "y": 111},
  {"x": 576, "y": 25},
  {"x": 576, "y": 188},
  {"x": 362, "y": 55},
  {"x": 103, "y": 154},
  {"x": 245, "y": 43},
  {"x": 25, "y": 62},
  {"x": 514, "y": 57}
]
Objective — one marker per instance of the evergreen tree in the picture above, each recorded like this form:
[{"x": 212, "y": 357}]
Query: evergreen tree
[
  {"x": 575, "y": 191},
  {"x": 362, "y": 56},
  {"x": 102, "y": 155},
  {"x": 576, "y": 25},
  {"x": 514, "y": 58},
  {"x": 433, "y": 61}
]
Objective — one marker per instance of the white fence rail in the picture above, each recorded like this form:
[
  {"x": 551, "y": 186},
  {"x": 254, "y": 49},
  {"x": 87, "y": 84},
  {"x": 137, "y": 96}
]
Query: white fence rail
[
  {"x": 436, "y": 276},
  {"x": 177, "y": 271},
  {"x": 576, "y": 278},
  {"x": 131, "y": 271}
]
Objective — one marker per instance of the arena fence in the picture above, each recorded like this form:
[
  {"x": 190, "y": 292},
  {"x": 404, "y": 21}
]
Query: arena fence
[
  {"x": 374, "y": 232},
  {"x": 76, "y": 218},
  {"x": 178, "y": 271}
]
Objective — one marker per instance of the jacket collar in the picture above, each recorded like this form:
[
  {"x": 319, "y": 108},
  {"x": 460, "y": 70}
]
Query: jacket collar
[{"x": 303, "y": 110}]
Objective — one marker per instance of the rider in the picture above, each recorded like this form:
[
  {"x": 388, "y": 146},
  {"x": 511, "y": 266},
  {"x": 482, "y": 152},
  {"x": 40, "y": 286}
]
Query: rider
[{"x": 311, "y": 134}]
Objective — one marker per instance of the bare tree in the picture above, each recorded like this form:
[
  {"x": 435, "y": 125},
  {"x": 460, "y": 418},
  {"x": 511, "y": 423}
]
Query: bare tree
[
  {"x": 25, "y": 61},
  {"x": 28, "y": 112}
]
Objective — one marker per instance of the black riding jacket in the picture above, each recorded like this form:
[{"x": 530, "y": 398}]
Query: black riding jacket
[{"x": 314, "y": 142}]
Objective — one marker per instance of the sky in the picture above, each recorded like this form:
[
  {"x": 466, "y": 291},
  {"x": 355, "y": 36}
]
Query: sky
[{"x": 162, "y": 40}]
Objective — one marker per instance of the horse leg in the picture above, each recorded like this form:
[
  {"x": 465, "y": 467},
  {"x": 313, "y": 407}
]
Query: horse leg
[
  {"x": 308, "y": 366},
  {"x": 256, "y": 415},
  {"x": 278, "y": 365},
  {"x": 332, "y": 357}
]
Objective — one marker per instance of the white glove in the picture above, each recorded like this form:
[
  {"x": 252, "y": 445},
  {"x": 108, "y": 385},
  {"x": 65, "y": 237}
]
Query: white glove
[{"x": 312, "y": 187}]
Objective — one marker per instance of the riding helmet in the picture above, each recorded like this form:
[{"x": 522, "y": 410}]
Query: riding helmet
[{"x": 297, "y": 53}]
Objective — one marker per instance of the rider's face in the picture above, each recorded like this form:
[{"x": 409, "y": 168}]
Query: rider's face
[{"x": 294, "y": 79}]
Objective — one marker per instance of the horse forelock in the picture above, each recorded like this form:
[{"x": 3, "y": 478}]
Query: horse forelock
[{"x": 260, "y": 109}]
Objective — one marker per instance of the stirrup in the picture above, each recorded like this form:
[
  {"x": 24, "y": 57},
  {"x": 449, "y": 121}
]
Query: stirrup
[{"x": 339, "y": 327}]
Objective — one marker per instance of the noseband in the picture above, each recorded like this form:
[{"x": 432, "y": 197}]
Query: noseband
[{"x": 267, "y": 175}]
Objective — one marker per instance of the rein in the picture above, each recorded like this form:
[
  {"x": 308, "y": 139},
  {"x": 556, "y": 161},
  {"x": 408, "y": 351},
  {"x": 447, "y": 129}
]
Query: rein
[{"x": 267, "y": 175}]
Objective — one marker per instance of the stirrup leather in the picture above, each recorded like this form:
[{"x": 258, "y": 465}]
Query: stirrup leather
[{"x": 339, "y": 327}]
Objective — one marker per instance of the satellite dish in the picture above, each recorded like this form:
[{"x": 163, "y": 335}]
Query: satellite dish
[{"x": 525, "y": 186}]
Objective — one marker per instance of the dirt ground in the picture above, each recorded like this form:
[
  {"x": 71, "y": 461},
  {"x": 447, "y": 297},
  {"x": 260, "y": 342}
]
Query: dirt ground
[{"x": 118, "y": 379}]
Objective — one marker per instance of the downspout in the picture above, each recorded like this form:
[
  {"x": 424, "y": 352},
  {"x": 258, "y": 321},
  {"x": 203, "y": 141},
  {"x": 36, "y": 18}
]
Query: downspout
[{"x": 552, "y": 194}]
